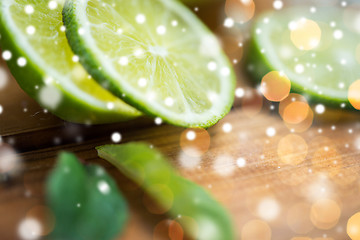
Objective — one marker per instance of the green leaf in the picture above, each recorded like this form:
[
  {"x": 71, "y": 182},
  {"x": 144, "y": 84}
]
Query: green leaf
[
  {"x": 85, "y": 200},
  {"x": 150, "y": 169}
]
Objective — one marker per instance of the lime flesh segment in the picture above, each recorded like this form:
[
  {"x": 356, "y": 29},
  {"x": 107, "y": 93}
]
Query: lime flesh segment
[
  {"x": 33, "y": 31},
  {"x": 323, "y": 73},
  {"x": 156, "y": 55}
]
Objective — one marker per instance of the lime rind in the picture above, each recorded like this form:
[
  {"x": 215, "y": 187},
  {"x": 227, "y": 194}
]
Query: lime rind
[
  {"x": 92, "y": 59},
  {"x": 75, "y": 105},
  {"x": 263, "y": 57}
]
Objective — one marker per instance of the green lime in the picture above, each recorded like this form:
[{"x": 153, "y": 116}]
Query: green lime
[
  {"x": 316, "y": 48},
  {"x": 34, "y": 44},
  {"x": 155, "y": 55}
]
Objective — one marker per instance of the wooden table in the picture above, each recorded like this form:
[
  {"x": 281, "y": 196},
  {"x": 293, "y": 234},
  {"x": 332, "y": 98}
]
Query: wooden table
[{"x": 279, "y": 196}]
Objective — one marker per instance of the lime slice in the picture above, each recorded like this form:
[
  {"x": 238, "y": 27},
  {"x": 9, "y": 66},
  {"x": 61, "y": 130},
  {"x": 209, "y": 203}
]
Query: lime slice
[
  {"x": 314, "y": 47},
  {"x": 34, "y": 43},
  {"x": 155, "y": 55}
]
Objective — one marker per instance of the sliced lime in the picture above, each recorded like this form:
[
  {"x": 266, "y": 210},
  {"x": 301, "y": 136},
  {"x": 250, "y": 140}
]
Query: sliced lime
[
  {"x": 314, "y": 47},
  {"x": 34, "y": 43},
  {"x": 155, "y": 55}
]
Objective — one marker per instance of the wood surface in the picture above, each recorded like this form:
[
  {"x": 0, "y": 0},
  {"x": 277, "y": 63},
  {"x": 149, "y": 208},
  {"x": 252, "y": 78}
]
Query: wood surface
[{"x": 39, "y": 136}]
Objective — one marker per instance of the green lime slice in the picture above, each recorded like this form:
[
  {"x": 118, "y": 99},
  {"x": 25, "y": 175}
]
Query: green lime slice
[
  {"x": 314, "y": 47},
  {"x": 34, "y": 44},
  {"x": 155, "y": 55}
]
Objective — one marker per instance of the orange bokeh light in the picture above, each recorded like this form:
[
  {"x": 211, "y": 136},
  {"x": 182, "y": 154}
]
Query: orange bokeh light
[
  {"x": 240, "y": 10},
  {"x": 353, "y": 227},
  {"x": 195, "y": 141},
  {"x": 305, "y": 34},
  {"x": 354, "y": 94},
  {"x": 275, "y": 86},
  {"x": 292, "y": 149}
]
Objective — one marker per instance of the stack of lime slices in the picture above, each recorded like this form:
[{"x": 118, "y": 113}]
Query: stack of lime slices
[{"x": 154, "y": 55}]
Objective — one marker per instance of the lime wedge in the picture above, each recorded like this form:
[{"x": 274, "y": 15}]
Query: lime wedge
[
  {"x": 314, "y": 47},
  {"x": 34, "y": 43},
  {"x": 155, "y": 55}
]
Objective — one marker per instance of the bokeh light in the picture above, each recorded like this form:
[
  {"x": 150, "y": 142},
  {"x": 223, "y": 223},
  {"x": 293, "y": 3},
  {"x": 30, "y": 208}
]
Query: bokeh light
[
  {"x": 275, "y": 86},
  {"x": 10, "y": 162},
  {"x": 44, "y": 216},
  {"x": 298, "y": 218},
  {"x": 354, "y": 94},
  {"x": 29, "y": 229},
  {"x": 305, "y": 34},
  {"x": 224, "y": 165},
  {"x": 168, "y": 229},
  {"x": 268, "y": 209},
  {"x": 326, "y": 159},
  {"x": 292, "y": 149},
  {"x": 296, "y": 113},
  {"x": 195, "y": 142},
  {"x": 325, "y": 213},
  {"x": 240, "y": 10},
  {"x": 252, "y": 103},
  {"x": 167, "y": 199},
  {"x": 256, "y": 229},
  {"x": 353, "y": 227}
]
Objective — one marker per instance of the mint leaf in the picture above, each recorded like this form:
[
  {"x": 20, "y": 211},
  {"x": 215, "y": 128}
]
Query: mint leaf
[
  {"x": 85, "y": 200},
  {"x": 150, "y": 169}
]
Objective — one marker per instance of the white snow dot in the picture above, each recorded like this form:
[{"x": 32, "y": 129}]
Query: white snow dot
[
  {"x": 191, "y": 135},
  {"x": 75, "y": 58},
  {"x": 169, "y": 101},
  {"x": 140, "y": 18},
  {"x": 278, "y": 4},
  {"x": 123, "y": 61},
  {"x": 29, "y": 9},
  {"x": 21, "y": 61},
  {"x": 142, "y": 82},
  {"x": 116, "y": 137},
  {"x": 320, "y": 109},
  {"x": 225, "y": 71},
  {"x": 63, "y": 28},
  {"x": 139, "y": 52},
  {"x": 158, "y": 121},
  {"x": 50, "y": 96},
  {"x": 227, "y": 127},
  {"x": 30, "y": 30},
  {"x": 270, "y": 132},
  {"x": 174, "y": 23},
  {"x": 29, "y": 229},
  {"x": 241, "y": 162},
  {"x": 6, "y": 55},
  {"x": 110, "y": 105},
  {"x": 103, "y": 187},
  {"x": 239, "y": 92},
  {"x": 212, "y": 66},
  {"x": 81, "y": 31},
  {"x": 299, "y": 68},
  {"x": 229, "y": 22},
  {"x": 161, "y": 30},
  {"x": 1, "y": 109},
  {"x": 53, "y": 5},
  {"x": 338, "y": 34}
]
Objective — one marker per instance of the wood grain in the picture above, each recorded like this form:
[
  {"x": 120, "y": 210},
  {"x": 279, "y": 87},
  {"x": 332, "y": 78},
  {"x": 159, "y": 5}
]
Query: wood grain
[{"x": 39, "y": 136}]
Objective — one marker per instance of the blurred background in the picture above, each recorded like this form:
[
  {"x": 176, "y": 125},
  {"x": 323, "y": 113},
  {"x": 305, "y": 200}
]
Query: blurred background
[{"x": 276, "y": 182}]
